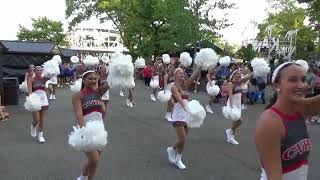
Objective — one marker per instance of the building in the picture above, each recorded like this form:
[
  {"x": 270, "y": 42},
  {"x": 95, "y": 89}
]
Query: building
[{"x": 95, "y": 39}]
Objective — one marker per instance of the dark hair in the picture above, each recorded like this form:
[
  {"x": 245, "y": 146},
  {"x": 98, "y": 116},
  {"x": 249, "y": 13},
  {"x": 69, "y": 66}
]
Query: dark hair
[
  {"x": 274, "y": 98},
  {"x": 85, "y": 76}
]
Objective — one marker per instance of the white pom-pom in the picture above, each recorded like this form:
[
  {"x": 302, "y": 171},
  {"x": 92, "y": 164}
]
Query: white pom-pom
[
  {"x": 206, "y": 58},
  {"x": 260, "y": 67},
  {"x": 185, "y": 59},
  {"x": 196, "y": 114},
  {"x": 166, "y": 58},
  {"x": 154, "y": 83},
  {"x": 225, "y": 61},
  {"x": 76, "y": 87},
  {"x": 23, "y": 87},
  {"x": 51, "y": 69},
  {"x": 164, "y": 96},
  {"x": 91, "y": 137},
  {"x": 304, "y": 64},
  {"x": 213, "y": 90},
  {"x": 121, "y": 72},
  {"x": 105, "y": 59},
  {"x": 57, "y": 58},
  {"x": 140, "y": 63},
  {"x": 74, "y": 59},
  {"x": 233, "y": 114},
  {"x": 91, "y": 61},
  {"x": 33, "y": 103}
]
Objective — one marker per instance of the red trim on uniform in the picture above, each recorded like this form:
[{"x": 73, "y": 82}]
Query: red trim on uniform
[
  {"x": 295, "y": 166},
  {"x": 292, "y": 117},
  {"x": 179, "y": 123},
  {"x": 282, "y": 117},
  {"x": 44, "y": 107},
  {"x": 94, "y": 110},
  {"x": 38, "y": 88}
]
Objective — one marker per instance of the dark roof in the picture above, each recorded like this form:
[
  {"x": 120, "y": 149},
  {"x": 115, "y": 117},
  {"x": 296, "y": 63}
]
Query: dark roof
[
  {"x": 29, "y": 47},
  {"x": 68, "y": 52}
]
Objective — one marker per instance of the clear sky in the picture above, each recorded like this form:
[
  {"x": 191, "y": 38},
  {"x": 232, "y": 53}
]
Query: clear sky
[{"x": 15, "y": 12}]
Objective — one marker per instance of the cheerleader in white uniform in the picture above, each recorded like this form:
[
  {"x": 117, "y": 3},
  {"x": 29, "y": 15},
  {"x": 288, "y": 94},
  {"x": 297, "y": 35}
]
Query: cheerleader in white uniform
[
  {"x": 51, "y": 84},
  {"x": 168, "y": 83},
  {"x": 234, "y": 101},
  {"x": 180, "y": 96},
  {"x": 157, "y": 72},
  {"x": 37, "y": 85},
  {"x": 88, "y": 106},
  {"x": 211, "y": 77},
  {"x": 103, "y": 75}
]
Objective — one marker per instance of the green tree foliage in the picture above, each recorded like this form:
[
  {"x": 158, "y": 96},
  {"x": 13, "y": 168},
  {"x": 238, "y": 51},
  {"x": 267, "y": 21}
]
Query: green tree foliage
[
  {"x": 151, "y": 27},
  {"x": 289, "y": 19},
  {"x": 314, "y": 18},
  {"x": 43, "y": 29},
  {"x": 246, "y": 53}
]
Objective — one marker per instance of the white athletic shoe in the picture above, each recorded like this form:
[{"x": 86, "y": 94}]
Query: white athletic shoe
[
  {"x": 121, "y": 93},
  {"x": 54, "y": 97},
  {"x": 82, "y": 177},
  {"x": 232, "y": 140},
  {"x": 51, "y": 96},
  {"x": 153, "y": 98},
  {"x": 131, "y": 105},
  {"x": 228, "y": 133},
  {"x": 33, "y": 131},
  {"x": 168, "y": 116},
  {"x": 128, "y": 102},
  {"x": 179, "y": 162},
  {"x": 41, "y": 138},
  {"x": 171, "y": 155},
  {"x": 208, "y": 109}
]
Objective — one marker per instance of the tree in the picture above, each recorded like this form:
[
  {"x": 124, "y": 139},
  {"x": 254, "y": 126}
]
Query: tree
[
  {"x": 314, "y": 14},
  {"x": 289, "y": 19},
  {"x": 151, "y": 27},
  {"x": 246, "y": 53},
  {"x": 43, "y": 29},
  {"x": 206, "y": 26}
]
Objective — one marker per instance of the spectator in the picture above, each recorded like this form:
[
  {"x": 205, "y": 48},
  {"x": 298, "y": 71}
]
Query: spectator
[
  {"x": 4, "y": 116},
  {"x": 147, "y": 74}
]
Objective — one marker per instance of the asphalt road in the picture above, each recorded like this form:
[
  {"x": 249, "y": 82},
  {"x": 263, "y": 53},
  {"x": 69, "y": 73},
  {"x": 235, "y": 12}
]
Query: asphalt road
[{"x": 138, "y": 138}]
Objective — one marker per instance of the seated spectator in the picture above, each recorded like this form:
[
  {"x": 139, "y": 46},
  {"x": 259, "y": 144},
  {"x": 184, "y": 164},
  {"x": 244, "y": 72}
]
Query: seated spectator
[{"x": 4, "y": 116}]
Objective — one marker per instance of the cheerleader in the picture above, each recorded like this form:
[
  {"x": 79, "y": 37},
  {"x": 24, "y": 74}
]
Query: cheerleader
[
  {"x": 29, "y": 73},
  {"x": 88, "y": 106},
  {"x": 168, "y": 83},
  {"x": 103, "y": 75},
  {"x": 211, "y": 78},
  {"x": 282, "y": 138},
  {"x": 79, "y": 70},
  {"x": 180, "y": 97},
  {"x": 36, "y": 85},
  {"x": 51, "y": 84},
  {"x": 130, "y": 98},
  {"x": 244, "y": 86},
  {"x": 157, "y": 72},
  {"x": 234, "y": 101}
]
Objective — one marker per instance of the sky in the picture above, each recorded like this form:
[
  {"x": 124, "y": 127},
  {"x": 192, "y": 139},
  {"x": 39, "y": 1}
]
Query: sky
[{"x": 15, "y": 12}]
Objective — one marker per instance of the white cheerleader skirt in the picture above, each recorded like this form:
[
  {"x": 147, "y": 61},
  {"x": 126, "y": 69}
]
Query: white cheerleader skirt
[
  {"x": 208, "y": 84},
  {"x": 43, "y": 99},
  {"x": 169, "y": 86},
  {"x": 105, "y": 96},
  {"x": 298, "y": 174},
  {"x": 53, "y": 80},
  {"x": 93, "y": 116},
  {"x": 178, "y": 117},
  {"x": 236, "y": 100}
]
